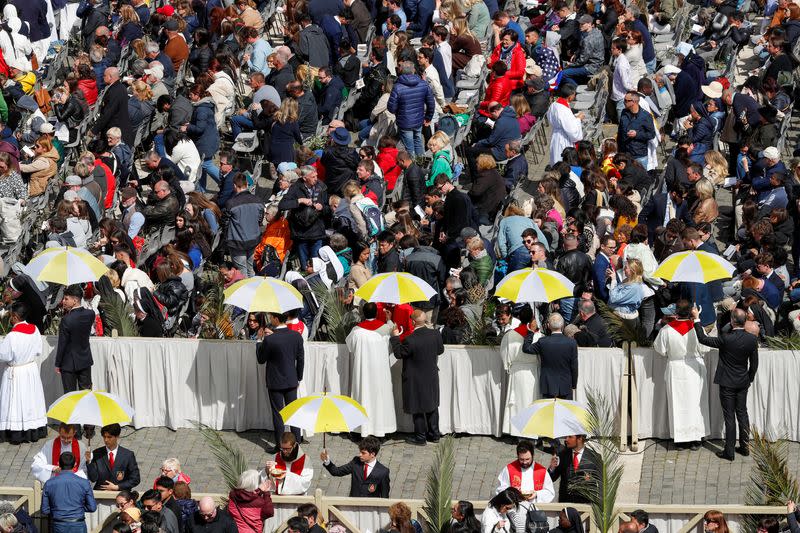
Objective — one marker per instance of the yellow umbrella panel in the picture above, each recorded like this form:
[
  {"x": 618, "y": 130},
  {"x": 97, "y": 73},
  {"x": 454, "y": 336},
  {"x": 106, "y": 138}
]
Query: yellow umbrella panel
[
  {"x": 96, "y": 408},
  {"x": 395, "y": 288},
  {"x": 265, "y": 294},
  {"x": 534, "y": 285},
  {"x": 65, "y": 265},
  {"x": 551, "y": 418},
  {"x": 324, "y": 413},
  {"x": 694, "y": 266}
]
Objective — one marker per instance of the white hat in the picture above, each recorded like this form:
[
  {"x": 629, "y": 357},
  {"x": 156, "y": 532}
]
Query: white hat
[
  {"x": 671, "y": 69},
  {"x": 46, "y": 127},
  {"x": 73, "y": 180},
  {"x": 157, "y": 71},
  {"x": 532, "y": 69},
  {"x": 70, "y": 196},
  {"x": 713, "y": 89},
  {"x": 772, "y": 153}
]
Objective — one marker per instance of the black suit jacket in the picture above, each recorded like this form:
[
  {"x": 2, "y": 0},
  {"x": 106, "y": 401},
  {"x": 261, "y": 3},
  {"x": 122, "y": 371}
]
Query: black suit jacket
[
  {"x": 559, "y": 363},
  {"x": 595, "y": 334},
  {"x": 655, "y": 210},
  {"x": 125, "y": 472},
  {"x": 375, "y": 486},
  {"x": 73, "y": 352},
  {"x": 284, "y": 356},
  {"x": 589, "y": 465},
  {"x": 738, "y": 356}
]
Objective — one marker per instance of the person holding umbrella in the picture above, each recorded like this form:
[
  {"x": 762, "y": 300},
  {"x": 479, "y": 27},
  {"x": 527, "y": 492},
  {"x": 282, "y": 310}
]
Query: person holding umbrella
[
  {"x": 574, "y": 461},
  {"x": 112, "y": 467},
  {"x": 368, "y": 477}
]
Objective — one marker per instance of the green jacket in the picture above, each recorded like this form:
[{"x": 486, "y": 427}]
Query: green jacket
[
  {"x": 483, "y": 267},
  {"x": 442, "y": 161}
]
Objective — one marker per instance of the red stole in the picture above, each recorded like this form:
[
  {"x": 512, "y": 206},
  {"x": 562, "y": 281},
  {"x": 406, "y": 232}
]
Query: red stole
[
  {"x": 76, "y": 452},
  {"x": 682, "y": 326},
  {"x": 298, "y": 326},
  {"x": 371, "y": 324},
  {"x": 515, "y": 475},
  {"x": 523, "y": 330},
  {"x": 295, "y": 468},
  {"x": 25, "y": 329},
  {"x": 563, "y": 101}
]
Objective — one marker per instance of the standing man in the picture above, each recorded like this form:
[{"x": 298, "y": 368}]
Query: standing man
[
  {"x": 530, "y": 478},
  {"x": 112, "y": 467},
  {"x": 412, "y": 103},
  {"x": 23, "y": 412},
  {"x": 242, "y": 222},
  {"x": 559, "y": 359},
  {"x": 73, "y": 353},
  {"x": 575, "y": 460},
  {"x": 282, "y": 351},
  {"x": 567, "y": 127},
  {"x": 738, "y": 362},
  {"x": 46, "y": 463},
  {"x": 687, "y": 387},
  {"x": 368, "y": 477},
  {"x": 67, "y": 498},
  {"x": 371, "y": 372},
  {"x": 623, "y": 81},
  {"x": 635, "y": 129},
  {"x": 114, "y": 108},
  {"x": 419, "y": 353}
]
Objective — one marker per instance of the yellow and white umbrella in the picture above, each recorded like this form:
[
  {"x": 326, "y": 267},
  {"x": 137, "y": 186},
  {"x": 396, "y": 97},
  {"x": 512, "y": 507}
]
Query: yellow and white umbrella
[
  {"x": 264, "y": 294},
  {"x": 694, "y": 266},
  {"x": 534, "y": 285},
  {"x": 395, "y": 288},
  {"x": 95, "y": 408},
  {"x": 65, "y": 265},
  {"x": 324, "y": 412},
  {"x": 551, "y": 418}
]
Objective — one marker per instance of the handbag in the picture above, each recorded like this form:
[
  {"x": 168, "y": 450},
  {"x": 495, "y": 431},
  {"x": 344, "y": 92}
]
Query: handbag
[{"x": 42, "y": 97}]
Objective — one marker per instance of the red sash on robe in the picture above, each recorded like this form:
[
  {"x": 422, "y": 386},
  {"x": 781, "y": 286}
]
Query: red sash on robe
[
  {"x": 523, "y": 330},
  {"x": 25, "y": 329},
  {"x": 371, "y": 325},
  {"x": 682, "y": 326},
  {"x": 296, "y": 468},
  {"x": 76, "y": 452},
  {"x": 298, "y": 326},
  {"x": 563, "y": 101},
  {"x": 515, "y": 475}
]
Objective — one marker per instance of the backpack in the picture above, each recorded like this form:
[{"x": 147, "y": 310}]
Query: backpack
[
  {"x": 372, "y": 217},
  {"x": 536, "y": 521}
]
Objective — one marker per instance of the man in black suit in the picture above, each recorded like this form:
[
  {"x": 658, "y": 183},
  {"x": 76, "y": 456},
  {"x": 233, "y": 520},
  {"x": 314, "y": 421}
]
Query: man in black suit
[
  {"x": 114, "y": 108},
  {"x": 112, "y": 467},
  {"x": 368, "y": 477},
  {"x": 310, "y": 513},
  {"x": 73, "y": 353},
  {"x": 166, "y": 488},
  {"x": 575, "y": 463},
  {"x": 663, "y": 207},
  {"x": 642, "y": 520},
  {"x": 593, "y": 332},
  {"x": 282, "y": 351},
  {"x": 738, "y": 362},
  {"x": 559, "y": 359}
]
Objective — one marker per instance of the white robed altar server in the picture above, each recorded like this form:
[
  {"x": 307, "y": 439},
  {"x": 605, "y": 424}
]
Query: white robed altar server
[
  {"x": 686, "y": 377},
  {"x": 371, "y": 377},
  {"x": 290, "y": 470},
  {"x": 523, "y": 375},
  {"x": 22, "y": 405},
  {"x": 45, "y": 463},
  {"x": 527, "y": 476},
  {"x": 567, "y": 128}
]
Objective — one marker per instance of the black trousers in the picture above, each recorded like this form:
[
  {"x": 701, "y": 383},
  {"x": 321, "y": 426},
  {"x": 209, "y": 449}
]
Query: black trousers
[
  {"x": 426, "y": 425},
  {"x": 80, "y": 380},
  {"x": 278, "y": 399},
  {"x": 734, "y": 408}
]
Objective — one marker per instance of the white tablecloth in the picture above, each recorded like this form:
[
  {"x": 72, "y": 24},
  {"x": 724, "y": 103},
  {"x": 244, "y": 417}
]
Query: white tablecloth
[
  {"x": 172, "y": 382},
  {"x": 773, "y": 402}
]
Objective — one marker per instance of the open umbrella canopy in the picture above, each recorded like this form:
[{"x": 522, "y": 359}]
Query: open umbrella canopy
[
  {"x": 395, "y": 288},
  {"x": 269, "y": 295},
  {"x": 694, "y": 266},
  {"x": 552, "y": 418},
  {"x": 324, "y": 413},
  {"x": 95, "y": 408},
  {"x": 534, "y": 285},
  {"x": 65, "y": 265}
]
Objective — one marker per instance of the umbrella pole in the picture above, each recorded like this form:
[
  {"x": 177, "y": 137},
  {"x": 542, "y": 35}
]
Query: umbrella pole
[{"x": 323, "y": 440}]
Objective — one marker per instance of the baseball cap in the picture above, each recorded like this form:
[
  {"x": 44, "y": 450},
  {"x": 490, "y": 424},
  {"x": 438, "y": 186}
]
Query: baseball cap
[
  {"x": 70, "y": 196},
  {"x": 286, "y": 166},
  {"x": 468, "y": 233},
  {"x": 772, "y": 153},
  {"x": 166, "y": 10},
  {"x": 72, "y": 179},
  {"x": 171, "y": 25}
]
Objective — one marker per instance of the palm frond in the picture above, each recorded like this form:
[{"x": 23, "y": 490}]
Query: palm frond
[
  {"x": 439, "y": 486},
  {"x": 784, "y": 342},
  {"x": 338, "y": 319},
  {"x": 219, "y": 324},
  {"x": 772, "y": 483},
  {"x": 620, "y": 330},
  {"x": 231, "y": 462},
  {"x": 117, "y": 315},
  {"x": 601, "y": 487}
]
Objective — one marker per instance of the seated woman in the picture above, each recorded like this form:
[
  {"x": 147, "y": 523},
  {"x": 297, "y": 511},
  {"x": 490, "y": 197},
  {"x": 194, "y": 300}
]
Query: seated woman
[{"x": 42, "y": 167}]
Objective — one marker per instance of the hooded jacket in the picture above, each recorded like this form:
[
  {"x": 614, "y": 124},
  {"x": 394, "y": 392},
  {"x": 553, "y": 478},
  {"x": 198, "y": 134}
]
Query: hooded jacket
[
  {"x": 305, "y": 226},
  {"x": 16, "y": 47},
  {"x": 203, "y": 128},
  {"x": 314, "y": 47},
  {"x": 688, "y": 82},
  {"x": 249, "y": 509},
  {"x": 41, "y": 169},
  {"x": 702, "y": 132},
  {"x": 88, "y": 87},
  {"x": 172, "y": 294},
  {"x": 411, "y": 102}
]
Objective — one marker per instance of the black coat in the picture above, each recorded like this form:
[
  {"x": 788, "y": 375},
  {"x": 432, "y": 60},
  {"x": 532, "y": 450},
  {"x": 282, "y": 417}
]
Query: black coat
[
  {"x": 414, "y": 185},
  {"x": 420, "y": 352},
  {"x": 375, "y": 486},
  {"x": 458, "y": 213},
  {"x": 593, "y": 333},
  {"x": 74, "y": 352},
  {"x": 222, "y": 523},
  {"x": 125, "y": 472},
  {"x": 114, "y": 112},
  {"x": 340, "y": 167},
  {"x": 284, "y": 356},
  {"x": 738, "y": 356},
  {"x": 558, "y": 355},
  {"x": 589, "y": 464},
  {"x": 304, "y": 224}
]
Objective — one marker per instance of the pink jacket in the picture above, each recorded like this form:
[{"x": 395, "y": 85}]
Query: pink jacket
[{"x": 249, "y": 509}]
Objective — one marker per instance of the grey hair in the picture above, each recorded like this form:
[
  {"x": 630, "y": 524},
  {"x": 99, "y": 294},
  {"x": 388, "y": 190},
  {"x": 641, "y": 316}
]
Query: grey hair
[
  {"x": 152, "y": 48},
  {"x": 305, "y": 170},
  {"x": 407, "y": 67},
  {"x": 635, "y": 11},
  {"x": 8, "y": 522},
  {"x": 249, "y": 480},
  {"x": 587, "y": 306},
  {"x": 515, "y": 146},
  {"x": 152, "y": 155},
  {"x": 455, "y": 281},
  {"x": 555, "y": 322},
  {"x": 283, "y": 53}
]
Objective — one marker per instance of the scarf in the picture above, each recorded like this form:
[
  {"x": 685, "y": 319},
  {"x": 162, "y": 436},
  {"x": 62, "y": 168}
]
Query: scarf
[
  {"x": 506, "y": 54},
  {"x": 76, "y": 452}
]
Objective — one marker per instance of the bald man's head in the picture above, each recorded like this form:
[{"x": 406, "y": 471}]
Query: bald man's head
[
  {"x": 419, "y": 318},
  {"x": 207, "y": 508},
  {"x": 111, "y": 75},
  {"x": 102, "y": 31},
  {"x": 628, "y": 527}
]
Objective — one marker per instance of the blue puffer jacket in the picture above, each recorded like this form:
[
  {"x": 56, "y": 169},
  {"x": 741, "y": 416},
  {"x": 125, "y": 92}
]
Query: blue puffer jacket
[
  {"x": 411, "y": 102},
  {"x": 505, "y": 129},
  {"x": 702, "y": 133},
  {"x": 203, "y": 129}
]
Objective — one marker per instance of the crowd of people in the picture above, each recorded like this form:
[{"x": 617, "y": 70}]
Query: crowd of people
[{"x": 363, "y": 166}]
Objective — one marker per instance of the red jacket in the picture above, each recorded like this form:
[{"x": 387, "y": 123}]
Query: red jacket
[
  {"x": 498, "y": 90},
  {"x": 516, "y": 71},
  {"x": 386, "y": 158},
  {"x": 249, "y": 509},
  {"x": 111, "y": 183},
  {"x": 89, "y": 89}
]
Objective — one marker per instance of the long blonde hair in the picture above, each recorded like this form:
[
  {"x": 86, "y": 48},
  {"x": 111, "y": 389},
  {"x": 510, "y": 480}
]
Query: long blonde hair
[
  {"x": 288, "y": 112},
  {"x": 636, "y": 269},
  {"x": 460, "y": 27}
]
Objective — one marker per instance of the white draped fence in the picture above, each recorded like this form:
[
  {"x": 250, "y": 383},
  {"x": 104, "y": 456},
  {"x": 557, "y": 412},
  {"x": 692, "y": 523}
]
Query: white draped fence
[{"x": 172, "y": 382}]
